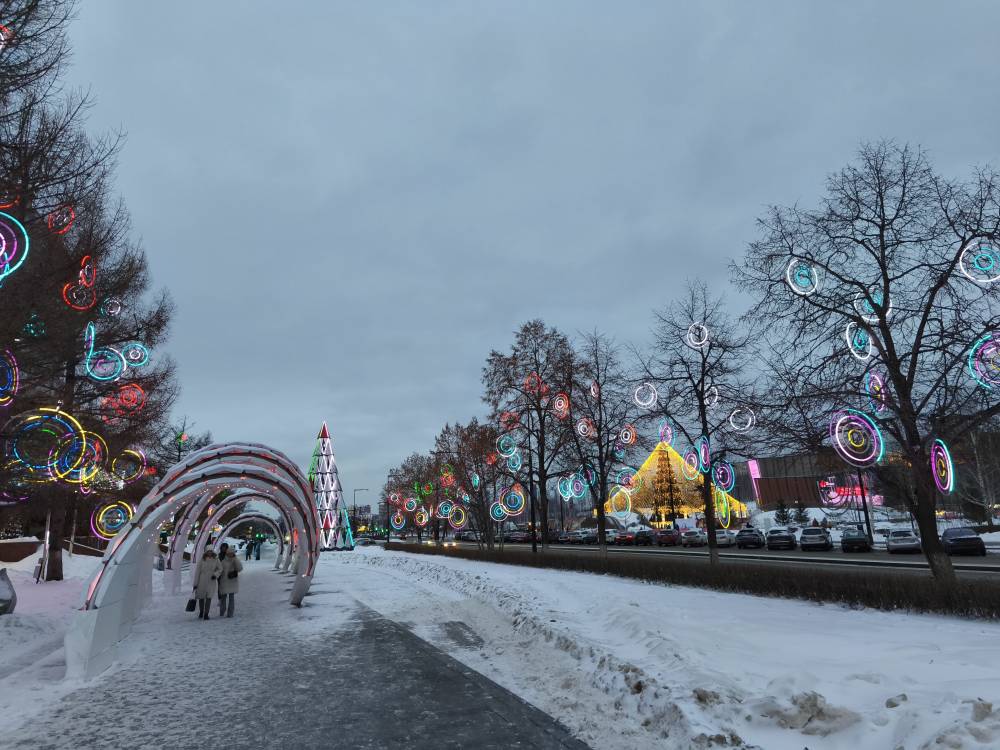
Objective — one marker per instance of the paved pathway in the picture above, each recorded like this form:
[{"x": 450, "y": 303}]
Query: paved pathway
[{"x": 331, "y": 674}]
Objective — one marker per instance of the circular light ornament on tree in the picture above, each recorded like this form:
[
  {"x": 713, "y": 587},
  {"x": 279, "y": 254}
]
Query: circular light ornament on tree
[
  {"x": 578, "y": 485},
  {"x": 869, "y": 306},
  {"x": 723, "y": 511},
  {"x": 802, "y": 277},
  {"x": 942, "y": 467},
  {"x": 420, "y": 518},
  {"x": 514, "y": 462},
  {"x": 397, "y": 521},
  {"x": 107, "y": 520},
  {"x": 410, "y": 504},
  {"x": 513, "y": 500},
  {"x": 859, "y": 342},
  {"x": 742, "y": 419},
  {"x": 980, "y": 262},
  {"x": 61, "y": 219},
  {"x": 697, "y": 336},
  {"x": 666, "y": 430},
  {"x": 704, "y": 449},
  {"x": 506, "y": 446},
  {"x": 498, "y": 512},
  {"x": 565, "y": 487},
  {"x": 627, "y": 477},
  {"x": 110, "y": 307},
  {"x": 9, "y": 378},
  {"x": 585, "y": 428},
  {"x": 984, "y": 361},
  {"x": 14, "y": 244},
  {"x": 458, "y": 517},
  {"x": 875, "y": 389},
  {"x": 129, "y": 465},
  {"x": 476, "y": 481},
  {"x": 395, "y": 499},
  {"x": 620, "y": 501},
  {"x": 691, "y": 466},
  {"x": 44, "y": 438},
  {"x": 856, "y": 437},
  {"x": 724, "y": 476},
  {"x": 646, "y": 396},
  {"x": 560, "y": 405},
  {"x": 627, "y": 435},
  {"x": 444, "y": 509}
]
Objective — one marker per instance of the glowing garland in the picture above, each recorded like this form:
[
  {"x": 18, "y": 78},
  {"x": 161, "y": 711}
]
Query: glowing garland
[
  {"x": 856, "y": 437},
  {"x": 14, "y": 245},
  {"x": 942, "y": 468}
]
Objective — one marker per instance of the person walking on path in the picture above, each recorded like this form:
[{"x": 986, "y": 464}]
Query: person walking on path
[
  {"x": 229, "y": 583},
  {"x": 249, "y": 549},
  {"x": 206, "y": 582}
]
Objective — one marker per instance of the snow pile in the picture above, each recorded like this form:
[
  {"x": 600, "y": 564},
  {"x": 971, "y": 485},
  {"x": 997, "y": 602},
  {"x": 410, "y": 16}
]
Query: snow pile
[{"x": 628, "y": 664}]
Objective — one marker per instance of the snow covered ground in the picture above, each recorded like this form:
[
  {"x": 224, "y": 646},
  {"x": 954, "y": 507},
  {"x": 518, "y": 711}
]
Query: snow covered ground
[
  {"x": 626, "y": 664},
  {"x": 623, "y": 664}
]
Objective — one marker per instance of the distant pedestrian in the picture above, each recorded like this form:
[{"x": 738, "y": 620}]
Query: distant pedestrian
[
  {"x": 206, "y": 582},
  {"x": 229, "y": 584},
  {"x": 249, "y": 550}
]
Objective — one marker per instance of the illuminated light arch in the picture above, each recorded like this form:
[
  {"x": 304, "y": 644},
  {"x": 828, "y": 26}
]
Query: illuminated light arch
[
  {"x": 123, "y": 583},
  {"x": 259, "y": 518}
]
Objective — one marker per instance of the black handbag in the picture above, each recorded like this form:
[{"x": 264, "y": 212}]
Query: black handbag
[
  {"x": 232, "y": 574},
  {"x": 190, "y": 605}
]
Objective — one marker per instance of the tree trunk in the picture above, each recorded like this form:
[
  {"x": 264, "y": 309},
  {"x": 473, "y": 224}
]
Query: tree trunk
[
  {"x": 54, "y": 564},
  {"x": 709, "y": 501},
  {"x": 937, "y": 558}
]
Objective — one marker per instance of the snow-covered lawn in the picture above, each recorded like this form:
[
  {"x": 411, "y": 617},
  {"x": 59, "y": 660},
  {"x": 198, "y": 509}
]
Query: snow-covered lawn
[{"x": 626, "y": 664}]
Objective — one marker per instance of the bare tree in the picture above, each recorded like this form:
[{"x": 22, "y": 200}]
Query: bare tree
[
  {"x": 696, "y": 379},
  {"x": 526, "y": 390},
  {"x": 882, "y": 300},
  {"x": 603, "y": 428}
]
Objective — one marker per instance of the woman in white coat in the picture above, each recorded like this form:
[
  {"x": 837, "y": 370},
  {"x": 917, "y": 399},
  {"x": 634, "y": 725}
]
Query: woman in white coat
[
  {"x": 206, "y": 581},
  {"x": 229, "y": 583}
]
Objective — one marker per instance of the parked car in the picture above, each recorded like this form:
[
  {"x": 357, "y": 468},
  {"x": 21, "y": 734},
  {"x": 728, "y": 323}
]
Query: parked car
[
  {"x": 694, "y": 538},
  {"x": 519, "y": 537},
  {"x": 363, "y": 541},
  {"x": 855, "y": 540},
  {"x": 625, "y": 537},
  {"x": 780, "y": 538},
  {"x": 565, "y": 538},
  {"x": 902, "y": 540},
  {"x": 750, "y": 538},
  {"x": 576, "y": 536},
  {"x": 963, "y": 540},
  {"x": 590, "y": 535},
  {"x": 725, "y": 538},
  {"x": 668, "y": 537},
  {"x": 815, "y": 537},
  {"x": 612, "y": 536},
  {"x": 645, "y": 537}
]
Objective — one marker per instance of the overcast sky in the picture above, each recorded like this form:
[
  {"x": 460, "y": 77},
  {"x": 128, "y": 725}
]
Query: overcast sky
[{"x": 353, "y": 202}]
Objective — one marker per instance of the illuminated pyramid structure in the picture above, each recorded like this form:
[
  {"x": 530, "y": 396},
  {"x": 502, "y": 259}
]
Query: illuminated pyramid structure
[
  {"x": 334, "y": 525},
  {"x": 727, "y": 507}
]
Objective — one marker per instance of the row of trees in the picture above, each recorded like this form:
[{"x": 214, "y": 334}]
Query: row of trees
[
  {"x": 875, "y": 312},
  {"x": 78, "y": 321}
]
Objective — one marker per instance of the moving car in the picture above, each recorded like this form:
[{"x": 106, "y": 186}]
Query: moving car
[
  {"x": 815, "y": 537},
  {"x": 725, "y": 538},
  {"x": 781, "y": 538},
  {"x": 855, "y": 540},
  {"x": 668, "y": 537},
  {"x": 750, "y": 538},
  {"x": 694, "y": 538},
  {"x": 645, "y": 537},
  {"x": 902, "y": 540},
  {"x": 963, "y": 540}
]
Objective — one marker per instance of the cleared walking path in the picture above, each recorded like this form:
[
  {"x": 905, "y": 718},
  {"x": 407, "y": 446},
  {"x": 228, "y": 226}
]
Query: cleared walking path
[{"x": 331, "y": 674}]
